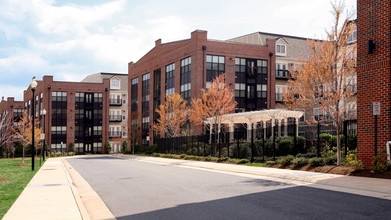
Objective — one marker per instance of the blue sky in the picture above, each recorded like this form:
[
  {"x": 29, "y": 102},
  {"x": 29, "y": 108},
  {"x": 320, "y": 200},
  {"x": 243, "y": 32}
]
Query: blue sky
[{"x": 70, "y": 39}]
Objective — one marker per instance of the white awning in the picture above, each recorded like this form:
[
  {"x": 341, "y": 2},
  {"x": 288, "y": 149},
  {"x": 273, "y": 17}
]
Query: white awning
[{"x": 258, "y": 116}]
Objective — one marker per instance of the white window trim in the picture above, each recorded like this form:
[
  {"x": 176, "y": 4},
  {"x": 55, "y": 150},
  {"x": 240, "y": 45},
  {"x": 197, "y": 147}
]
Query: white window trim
[
  {"x": 279, "y": 53},
  {"x": 115, "y": 87}
]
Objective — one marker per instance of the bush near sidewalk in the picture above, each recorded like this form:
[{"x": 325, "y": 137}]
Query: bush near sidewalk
[{"x": 202, "y": 158}]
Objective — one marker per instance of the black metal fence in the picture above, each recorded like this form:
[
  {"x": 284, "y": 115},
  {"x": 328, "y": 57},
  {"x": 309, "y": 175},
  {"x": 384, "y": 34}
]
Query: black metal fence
[{"x": 262, "y": 146}]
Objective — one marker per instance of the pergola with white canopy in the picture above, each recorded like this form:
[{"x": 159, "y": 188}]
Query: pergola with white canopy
[{"x": 254, "y": 117}]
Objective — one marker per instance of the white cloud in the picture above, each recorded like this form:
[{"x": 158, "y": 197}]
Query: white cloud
[{"x": 12, "y": 91}]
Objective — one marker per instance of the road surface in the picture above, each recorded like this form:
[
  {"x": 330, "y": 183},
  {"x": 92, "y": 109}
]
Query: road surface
[{"x": 134, "y": 189}]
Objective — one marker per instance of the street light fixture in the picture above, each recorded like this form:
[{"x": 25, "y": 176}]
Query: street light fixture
[
  {"x": 44, "y": 138},
  {"x": 33, "y": 86}
]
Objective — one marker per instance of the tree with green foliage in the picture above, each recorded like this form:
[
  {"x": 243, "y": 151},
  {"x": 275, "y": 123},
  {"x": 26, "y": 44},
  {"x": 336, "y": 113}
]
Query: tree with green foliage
[
  {"x": 124, "y": 146},
  {"x": 107, "y": 147}
]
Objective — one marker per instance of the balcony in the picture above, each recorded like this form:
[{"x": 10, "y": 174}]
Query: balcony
[
  {"x": 283, "y": 74},
  {"x": 115, "y": 134},
  {"x": 115, "y": 102},
  {"x": 279, "y": 97},
  {"x": 115, "y": 118}
]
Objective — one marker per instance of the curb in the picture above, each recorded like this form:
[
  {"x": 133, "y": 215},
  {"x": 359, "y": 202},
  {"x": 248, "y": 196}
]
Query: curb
[
  {"x": 370, "y": 185},
  {"x": 91, "y": 206},
  {"x": 83, "y": 211}
]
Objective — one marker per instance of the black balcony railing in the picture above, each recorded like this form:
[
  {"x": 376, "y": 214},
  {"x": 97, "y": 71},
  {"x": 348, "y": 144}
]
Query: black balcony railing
[
  {"x": 115, "y": 118},
  {"x": 115, "y": 134},
  {"x": 117, "y": 102},
  {"x": 283, "y": 74}
]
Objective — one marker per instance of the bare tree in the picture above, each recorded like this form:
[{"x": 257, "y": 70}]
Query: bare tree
[
  {"x": 6, "y": 133},
  {"x": 325, "y": 80}
]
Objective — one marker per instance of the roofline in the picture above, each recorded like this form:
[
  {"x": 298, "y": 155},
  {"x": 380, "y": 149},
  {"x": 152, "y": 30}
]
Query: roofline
[
  {"x": 103, "y": 73},
  {"x": 276, "y": 35}
]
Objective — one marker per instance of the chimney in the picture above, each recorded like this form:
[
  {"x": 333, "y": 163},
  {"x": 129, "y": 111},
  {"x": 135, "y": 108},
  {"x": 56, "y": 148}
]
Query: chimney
[
  {"x": 199, "y": 35},
  {"x": 158, "y": 42}
]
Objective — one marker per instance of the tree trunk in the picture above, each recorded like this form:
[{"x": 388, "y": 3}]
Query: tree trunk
[
  {"x": 338, "y": 148},
  {"x": 22, "y": 155}
]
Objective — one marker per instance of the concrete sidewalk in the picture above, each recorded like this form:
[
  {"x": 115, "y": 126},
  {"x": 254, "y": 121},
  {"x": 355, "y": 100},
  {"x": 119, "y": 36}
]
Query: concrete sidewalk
[
  {"x": 374, "y": 187},
  {"x": 49, "y": 195}
]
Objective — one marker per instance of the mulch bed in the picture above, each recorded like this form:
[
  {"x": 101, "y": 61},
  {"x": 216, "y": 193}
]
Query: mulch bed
[
  {"x": 2, "y": 179},
  {"x": 22, "y": 164},
  {"x": 340, "y": 170}
]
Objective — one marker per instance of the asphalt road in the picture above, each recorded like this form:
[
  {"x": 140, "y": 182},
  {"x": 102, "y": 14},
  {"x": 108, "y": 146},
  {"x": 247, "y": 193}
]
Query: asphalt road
[{"x": 134, "y": 189}]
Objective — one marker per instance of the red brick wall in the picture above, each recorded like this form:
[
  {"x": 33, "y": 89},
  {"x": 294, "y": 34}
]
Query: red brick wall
[
  {"x": 164, "y": 54},
  {"x": 373, "y": 76},
  {"x": 47, "y": 86}
]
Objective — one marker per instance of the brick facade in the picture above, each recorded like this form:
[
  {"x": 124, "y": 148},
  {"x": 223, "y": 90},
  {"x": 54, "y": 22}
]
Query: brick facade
[
  {"x": 10, "y": 105},
  {"x": 47, "y": 86},
  {"x": 164, "y": 54},
  {"x": 373, "y": 76}
]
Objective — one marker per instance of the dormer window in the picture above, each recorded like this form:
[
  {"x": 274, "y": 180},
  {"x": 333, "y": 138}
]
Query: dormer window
[
  {"x": 281, "y": 49},
  {"x": 115, "y": 84}
]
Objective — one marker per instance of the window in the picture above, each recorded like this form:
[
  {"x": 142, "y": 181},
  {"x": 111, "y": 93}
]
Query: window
[
  {"x": 279, "y": 92},
  {"x": 261, "y": 90},
  {"x": 170, "y": 79},
  {"x": 262, "y": 66},
  {"x": 215, "y": 65},
  {"x": 186, "y": 78},
  {"x": 134, "y": 94},
  {"x": 156, "y": 92},
  {"x": 353, "y": 37},
  {"x": 115, "y": 84},
  {"x": 280, "y": 49},
  {"x": 240, "y": 90},
  {"x": 145, "y": 95}
]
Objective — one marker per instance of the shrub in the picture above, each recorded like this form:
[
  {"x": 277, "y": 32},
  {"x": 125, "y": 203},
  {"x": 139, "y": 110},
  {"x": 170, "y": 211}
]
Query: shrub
[
  {"x": 182, "y": 156},
  {"x": 284, "y": 145},
  {"x": 222, "y": 159},
  {"x": 155, "y": 155},
  {"x": 316, "y": 161},
  {"x": 285, "y": 161},
  {"x": 71, "y": 153},
  {"x": 124, "y": 146},
  {"x": 271, "y": 162},
  {"x": 71, "y": 147},
  {"x": 58, "y": 154},
  {"x": 352, "y": 161},
  {"x": 332, "y": 160},
  {"x": 307, "y": 155},
  {"x": 300, "y": 161},
  {"x": 242, "y": 161},
  {"x": 107, "y": 147}
]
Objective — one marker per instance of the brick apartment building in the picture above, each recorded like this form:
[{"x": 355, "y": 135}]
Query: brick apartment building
[
  {"x": 188, "y": 65},
  {"x": 13, "y": 109},
  {"x": 77, "y": 112},
  {"x": 118, "y": 110},
  {"x": 290, "y": 51},
  {"x": 373, "y": 76}
]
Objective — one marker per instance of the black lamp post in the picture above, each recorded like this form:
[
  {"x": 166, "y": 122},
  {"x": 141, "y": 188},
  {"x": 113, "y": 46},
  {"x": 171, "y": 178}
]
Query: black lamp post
[
  {"x": 33, "y": 86},
  {"x": 44, "y": 142}
]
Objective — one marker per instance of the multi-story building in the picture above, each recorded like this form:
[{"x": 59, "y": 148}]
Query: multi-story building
[
  {"x": 188, "y": 65},
  {"x": 118, "y": 110},
  {"x": 77, "y": 112},
  {"x": 373, "y": 78},
  {"x": 10, "y": 113},
  {"x": 290, "y": 51}
]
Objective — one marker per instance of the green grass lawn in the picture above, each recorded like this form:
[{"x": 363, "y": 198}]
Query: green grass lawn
[
  {"x": 254, "y": 164},
  {"x": 17, "y": 179}
]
